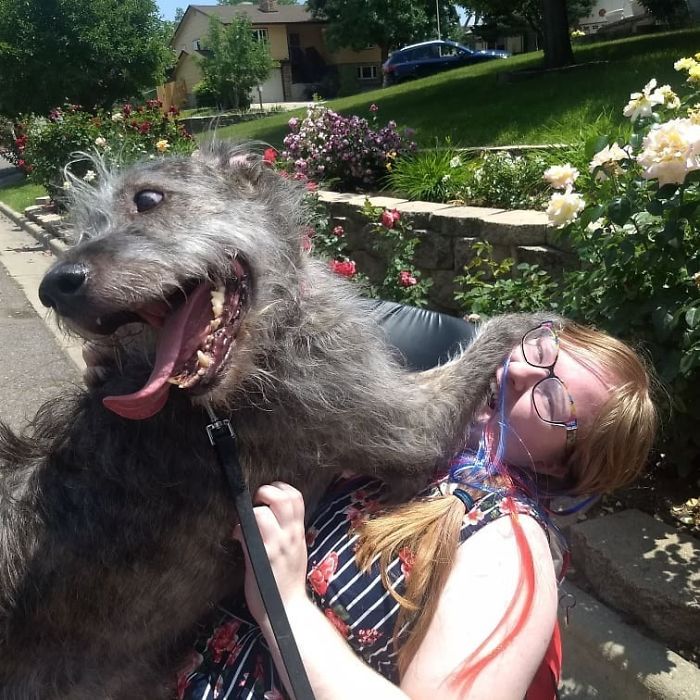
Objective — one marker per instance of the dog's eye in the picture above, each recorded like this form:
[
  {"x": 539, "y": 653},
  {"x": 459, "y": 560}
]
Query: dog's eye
[{"x": 147, "y": 199}]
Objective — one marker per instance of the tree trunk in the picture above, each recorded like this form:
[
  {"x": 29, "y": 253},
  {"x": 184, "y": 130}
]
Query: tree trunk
[{"x": 555, "y": 30}]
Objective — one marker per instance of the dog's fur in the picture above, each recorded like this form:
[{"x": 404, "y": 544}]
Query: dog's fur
[{"x": 115, "y": 534}]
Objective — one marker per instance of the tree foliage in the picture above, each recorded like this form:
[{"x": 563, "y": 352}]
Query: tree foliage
[
  {"x": 549, "y": 19},
  {"x": 234, "y": 62},
  {"x": 360, "y": 23},
  {"x": 90, "y": 52}
]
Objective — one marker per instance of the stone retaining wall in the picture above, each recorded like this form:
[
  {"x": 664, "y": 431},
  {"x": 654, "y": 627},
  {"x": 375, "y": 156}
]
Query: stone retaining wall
[{"x": 447, "y": 233}]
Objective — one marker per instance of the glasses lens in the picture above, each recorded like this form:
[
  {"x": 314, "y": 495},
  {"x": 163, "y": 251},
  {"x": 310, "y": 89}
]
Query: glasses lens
[
  {"x": 552, "y": 401},
  {"x": 540, "y": 347}
]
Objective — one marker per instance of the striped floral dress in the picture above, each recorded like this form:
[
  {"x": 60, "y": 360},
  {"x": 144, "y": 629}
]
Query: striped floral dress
[{"x": 233, "y": 661}]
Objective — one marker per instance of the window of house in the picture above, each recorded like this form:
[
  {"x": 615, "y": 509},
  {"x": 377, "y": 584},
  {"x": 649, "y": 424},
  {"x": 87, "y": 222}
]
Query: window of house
[
  {"x": 367, "y": 72},
  {"x": 260, "y": 35},
  {"x": 196, "y": 45}
]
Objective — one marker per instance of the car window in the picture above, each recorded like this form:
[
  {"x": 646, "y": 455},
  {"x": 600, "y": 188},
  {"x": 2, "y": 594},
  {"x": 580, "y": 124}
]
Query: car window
[{"x": 449, "y": 50}]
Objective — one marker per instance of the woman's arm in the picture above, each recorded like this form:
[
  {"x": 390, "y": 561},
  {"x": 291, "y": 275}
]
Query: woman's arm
[{"x": 477, "y": 592}]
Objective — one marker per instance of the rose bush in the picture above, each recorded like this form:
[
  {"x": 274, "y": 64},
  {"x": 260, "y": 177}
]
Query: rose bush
[
  {"x": 43, "y": 146},
  {"x": 633, "y": 221},
  {"x": 342, "y": 152}
]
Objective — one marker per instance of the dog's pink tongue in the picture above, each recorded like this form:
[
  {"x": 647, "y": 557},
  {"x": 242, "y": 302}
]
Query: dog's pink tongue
[{"x": 178, "y": 339}]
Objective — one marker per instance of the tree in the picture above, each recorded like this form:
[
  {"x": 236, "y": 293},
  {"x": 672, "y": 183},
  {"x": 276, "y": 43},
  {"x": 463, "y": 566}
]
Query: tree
[
  {"x": 360, "y": 23},
  {"x": 90, "y": 52},
  {"x": 234, "y": 62},
  {"x": 550, "y": 19}
]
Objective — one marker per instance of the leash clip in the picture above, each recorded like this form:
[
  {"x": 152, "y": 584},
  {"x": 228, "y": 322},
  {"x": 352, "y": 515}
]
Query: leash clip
[{"x": 219, "y": 429}]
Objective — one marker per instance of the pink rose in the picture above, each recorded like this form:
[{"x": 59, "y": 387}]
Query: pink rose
[
  {"x": 406, "y": 279},
  {"x": 344, "y": 268},
  {"x": 389, "y": 218}
]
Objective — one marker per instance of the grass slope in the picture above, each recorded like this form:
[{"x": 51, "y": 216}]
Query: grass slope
[
  {"x": 474, "y": 106},
  {"x": 21, "y": 195}
]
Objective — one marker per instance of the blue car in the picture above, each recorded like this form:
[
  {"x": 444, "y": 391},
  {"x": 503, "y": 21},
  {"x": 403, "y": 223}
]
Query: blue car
[{"x": 428, "y": 57}]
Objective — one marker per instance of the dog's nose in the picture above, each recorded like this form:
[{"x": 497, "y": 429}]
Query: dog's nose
[{"x": 62, "y": 283}]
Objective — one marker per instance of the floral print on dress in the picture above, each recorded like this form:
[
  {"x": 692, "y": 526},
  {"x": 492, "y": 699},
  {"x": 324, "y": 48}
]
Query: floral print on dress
[
  {"x": 321, "y": 574},
  {"x": 355, "y": 602}
]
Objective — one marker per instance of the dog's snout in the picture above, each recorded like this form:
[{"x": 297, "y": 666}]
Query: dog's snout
[{"x": 62, "y": 283}]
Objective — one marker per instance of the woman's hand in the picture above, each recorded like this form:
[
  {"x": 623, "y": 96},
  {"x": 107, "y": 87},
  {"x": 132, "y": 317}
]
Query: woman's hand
[{"x": 279, "y": 513}]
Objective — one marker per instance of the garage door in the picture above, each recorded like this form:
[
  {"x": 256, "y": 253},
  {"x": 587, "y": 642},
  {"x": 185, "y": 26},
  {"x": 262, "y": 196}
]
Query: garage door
[{"x": 271, "y": 89}]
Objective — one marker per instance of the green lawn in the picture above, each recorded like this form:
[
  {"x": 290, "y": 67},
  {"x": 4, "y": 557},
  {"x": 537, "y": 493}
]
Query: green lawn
[
  {"x": 473, "y": 107},
  {"x": 21, "y": 195}
]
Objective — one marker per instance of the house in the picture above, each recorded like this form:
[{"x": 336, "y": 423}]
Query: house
[
  {"x": 296, "y": 41},
  {"x": 607, "y": 12}
]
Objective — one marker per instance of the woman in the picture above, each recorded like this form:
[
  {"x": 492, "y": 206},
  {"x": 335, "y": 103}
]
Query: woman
[{"x": 453, "y": 595}]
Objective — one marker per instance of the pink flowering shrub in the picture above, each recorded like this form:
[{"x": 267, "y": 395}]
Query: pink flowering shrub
[
  {"x": 42, "y": 146},
  {"x": 347, "y": 153}
]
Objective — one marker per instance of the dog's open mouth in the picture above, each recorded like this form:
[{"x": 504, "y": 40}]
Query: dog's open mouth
[{"x": 194, "y": 341}]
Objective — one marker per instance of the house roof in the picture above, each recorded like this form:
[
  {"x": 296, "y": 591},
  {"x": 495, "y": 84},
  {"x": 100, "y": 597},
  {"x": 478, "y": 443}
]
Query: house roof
[{"x": 284, "y": 14}]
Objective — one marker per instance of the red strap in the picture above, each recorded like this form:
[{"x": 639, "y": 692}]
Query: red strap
[{"x": 546, "y": 681}]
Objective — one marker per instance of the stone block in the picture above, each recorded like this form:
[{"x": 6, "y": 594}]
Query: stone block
[
  {"x": 460, "y": 221},
  {"x": 434, "y": 252},
  {"x": 370, "y": 265},
  {"x": 329, "y": 197},
  {"x": 549, "y": 259},
  {"x": 643, "y": 568},
  {"x": 516, "y": 227},
  {"x": 42, "y": 201},
  {"x": 387, "y": 202},
  {"x": 420, "y": 213},
  {"x": 441, "y": 293}
]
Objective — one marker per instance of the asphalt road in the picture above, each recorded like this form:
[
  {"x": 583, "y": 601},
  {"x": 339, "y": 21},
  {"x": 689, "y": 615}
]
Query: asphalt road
[{"x": 34, "y": 363}]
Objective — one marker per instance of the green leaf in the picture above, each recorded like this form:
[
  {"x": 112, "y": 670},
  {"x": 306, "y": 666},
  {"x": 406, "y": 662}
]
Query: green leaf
[
  {"x": 655, "y": 207},
  {"x": 663, "y": 323},
  {"x": 619, "y": 210},
  {"x": 595, "y": 144},
  {"x": 591, "y": 214},
  {"x": 666, "y": 191},
  {"x": 692, "y": 317}
]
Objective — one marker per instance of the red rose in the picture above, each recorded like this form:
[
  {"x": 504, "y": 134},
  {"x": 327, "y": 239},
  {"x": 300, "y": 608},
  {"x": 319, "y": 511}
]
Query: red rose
[
  {"x": 311, "y": 186},
  {"x": 406, "y": 279},
  {"x": 144, "y": 127},
  {"x": 337, "y": 622},
  {"x": 389, "y": 218},
  {"x": 338, "y": 231},
  {"x": 344, "y": 268},
  {"x": 270, "y": 155}
]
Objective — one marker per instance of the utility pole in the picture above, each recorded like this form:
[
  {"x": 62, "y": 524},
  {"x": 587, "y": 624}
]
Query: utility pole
[{"x": 437, "y": 16}]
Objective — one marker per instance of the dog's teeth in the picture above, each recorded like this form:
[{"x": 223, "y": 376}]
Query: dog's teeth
[
  {"x": 217, "y": 301},
  {"x": 201, "y": 372},
  {"x": 173, "y": 381},
  {"x": 214, "y": 324},
  {"x": 203, "y": 359}
]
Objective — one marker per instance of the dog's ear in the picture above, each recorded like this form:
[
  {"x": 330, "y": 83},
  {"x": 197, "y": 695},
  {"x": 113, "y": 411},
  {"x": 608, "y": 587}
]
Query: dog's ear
[{"x": 240, "y": 165}]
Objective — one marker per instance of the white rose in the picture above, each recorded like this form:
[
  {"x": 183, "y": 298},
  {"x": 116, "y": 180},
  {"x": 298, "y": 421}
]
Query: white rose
[
  {"x": 564, "y": 207},
  {"x": 670, "y": 151},
  {"x": 117, "y": 117},
  {"x": 561, "y": 176},
  {"x": 455, "y": 162},
  {"x": 89, "y": 176},
  {"x": 642, "y": 104},
  {"x": 101, "y": 141}
]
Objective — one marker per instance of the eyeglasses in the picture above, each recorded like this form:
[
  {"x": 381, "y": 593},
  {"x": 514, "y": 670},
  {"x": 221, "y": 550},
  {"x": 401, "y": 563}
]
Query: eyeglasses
[{"x": 550, "y": 397}]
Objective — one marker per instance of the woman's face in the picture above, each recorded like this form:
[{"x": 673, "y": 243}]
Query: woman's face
[{"x": 530, "y": 442}]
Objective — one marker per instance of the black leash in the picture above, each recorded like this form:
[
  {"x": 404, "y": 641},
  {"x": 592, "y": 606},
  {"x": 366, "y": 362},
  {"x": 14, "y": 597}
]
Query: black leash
[{"x": 223, "y": 439}]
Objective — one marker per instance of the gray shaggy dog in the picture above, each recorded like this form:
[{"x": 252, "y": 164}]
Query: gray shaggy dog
[{"x": 115, "y": 521}]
